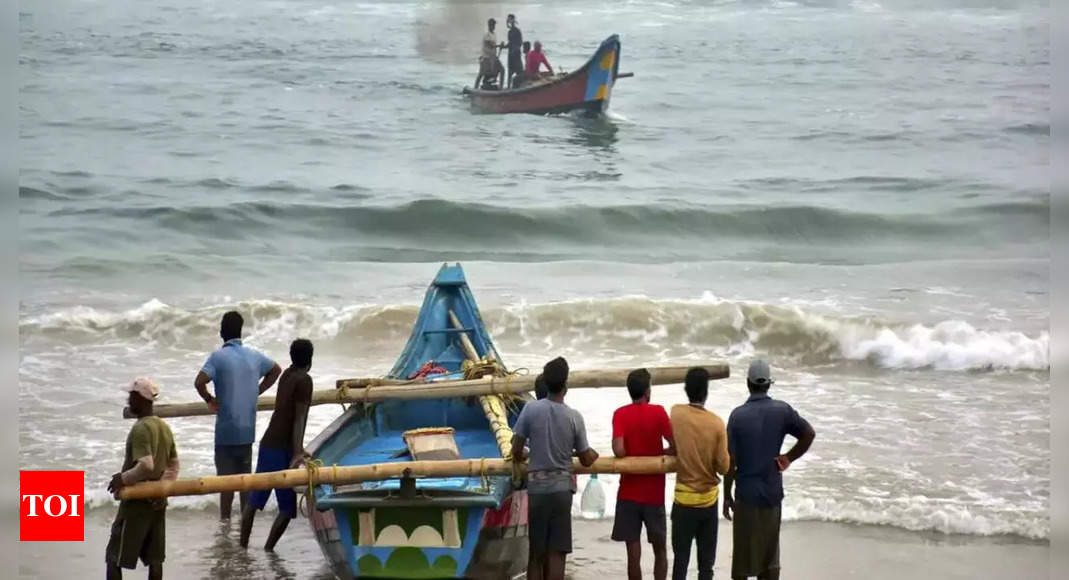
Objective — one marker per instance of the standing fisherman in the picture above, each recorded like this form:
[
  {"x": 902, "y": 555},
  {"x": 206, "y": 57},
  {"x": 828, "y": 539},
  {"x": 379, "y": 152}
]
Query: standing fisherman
[
  {"x": 702, "y": 454},
  {"x": 555, "y": 433},
  {"x": 755, "y": 436},
  {"x": 282, "y": 446},
  {"x": 638, "y": 429},
  {"x": 515, "y": 43},
  {"x": 235, "y": 371},
  {"x": 140, "y": 524}
]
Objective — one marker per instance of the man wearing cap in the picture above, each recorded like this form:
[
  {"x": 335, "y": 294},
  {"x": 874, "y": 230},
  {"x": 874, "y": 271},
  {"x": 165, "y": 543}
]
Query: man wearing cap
[
  {"x": 138, "y": 531},
  {"x": 755, "y": 436},
  {"x": 240, "y": 376},
  {"x": 554, "y": 432}
]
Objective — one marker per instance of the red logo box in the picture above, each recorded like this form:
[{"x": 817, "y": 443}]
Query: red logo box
[{"x": 51, "y": 506}]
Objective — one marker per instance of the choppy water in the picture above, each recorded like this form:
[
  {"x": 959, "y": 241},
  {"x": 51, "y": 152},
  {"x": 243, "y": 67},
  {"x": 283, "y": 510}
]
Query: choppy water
[{"x": 856, "y": 190}]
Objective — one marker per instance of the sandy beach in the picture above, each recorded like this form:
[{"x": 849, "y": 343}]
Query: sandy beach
[{"x": 200, "y": 547}]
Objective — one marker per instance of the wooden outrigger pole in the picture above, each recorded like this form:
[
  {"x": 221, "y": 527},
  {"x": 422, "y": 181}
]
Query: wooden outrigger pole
[
  {"x": 375, "y": 390},
  {"x": 348, "y": 474}
]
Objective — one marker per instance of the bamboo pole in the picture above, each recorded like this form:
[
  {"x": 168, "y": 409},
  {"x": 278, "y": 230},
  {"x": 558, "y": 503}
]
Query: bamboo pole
[
  {"x": 374, "y": 390},
  {"x": 348, "y": 474},
  {"x": 493, "y": 405}
]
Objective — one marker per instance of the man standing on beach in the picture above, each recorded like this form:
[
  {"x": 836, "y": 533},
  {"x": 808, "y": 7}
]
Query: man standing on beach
[
  {"x": 638, "y": 430},
  {"x": 702, "y": 454},
  {"x": 755, "y": 436},
  {"x": 555, "y": 432},
  {"x": 139, "y": 528},
  {"x": 235, "y": 371},
  {"x": 282, "y": 445}
]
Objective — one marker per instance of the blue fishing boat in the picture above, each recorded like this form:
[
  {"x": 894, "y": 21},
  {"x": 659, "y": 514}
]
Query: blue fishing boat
[{"x": 455, "y": 527}]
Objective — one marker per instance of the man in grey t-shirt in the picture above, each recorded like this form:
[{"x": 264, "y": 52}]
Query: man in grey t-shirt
[{"x": 555, "y": 432}]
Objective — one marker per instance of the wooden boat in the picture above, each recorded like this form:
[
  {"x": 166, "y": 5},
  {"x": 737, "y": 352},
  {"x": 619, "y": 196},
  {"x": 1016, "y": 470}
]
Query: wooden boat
[
  {"x": 431, "y": 527},
  {"x": 587, "y": 89}
]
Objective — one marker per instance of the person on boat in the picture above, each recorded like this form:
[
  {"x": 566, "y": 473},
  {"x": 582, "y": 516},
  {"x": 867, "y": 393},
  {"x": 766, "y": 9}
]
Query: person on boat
[
  {"x": 535, "y": 59},
  {"x": 515, "y": 43},
  {"x": 282, "y": 446},
  {"x": 540, "y": 388},
  {"x": 240, "y": 375},
  {"x": 755, "y": 433},
  {"x": 702, "y": 457},
  {"x": 638, "y": 429},
  {"x": 555, "y": 432},
  {"x": 139, "y": 528},
  {"x": 521, "y": 79},
  {"x": 490, "y": 66}
]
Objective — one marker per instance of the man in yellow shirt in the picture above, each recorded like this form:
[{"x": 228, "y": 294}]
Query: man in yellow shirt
[{"x": 702, "y": 454}]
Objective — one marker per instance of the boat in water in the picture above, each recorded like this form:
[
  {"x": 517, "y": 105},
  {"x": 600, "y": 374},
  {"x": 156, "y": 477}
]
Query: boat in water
[
  {"x": 586, "y": 90},
  {"x": 447, "y": 527}
]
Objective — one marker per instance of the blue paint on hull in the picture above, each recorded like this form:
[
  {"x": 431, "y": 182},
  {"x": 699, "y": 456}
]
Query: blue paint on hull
[{"x": 373, "y": 435}]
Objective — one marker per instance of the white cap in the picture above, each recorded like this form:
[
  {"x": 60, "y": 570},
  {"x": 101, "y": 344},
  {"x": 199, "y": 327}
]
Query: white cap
[{"x": 145, "y": 387}]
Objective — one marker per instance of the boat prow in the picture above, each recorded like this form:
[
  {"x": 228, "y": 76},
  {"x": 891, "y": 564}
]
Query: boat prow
[
  {"x": 450, "y": 527},
  {"x": 587, "y": 89}
]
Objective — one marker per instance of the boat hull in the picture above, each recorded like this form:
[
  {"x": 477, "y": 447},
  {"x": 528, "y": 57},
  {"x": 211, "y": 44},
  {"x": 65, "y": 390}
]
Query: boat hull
[
  {"x": 587, "y": 90},
  {"x": 499, "y": 549}
]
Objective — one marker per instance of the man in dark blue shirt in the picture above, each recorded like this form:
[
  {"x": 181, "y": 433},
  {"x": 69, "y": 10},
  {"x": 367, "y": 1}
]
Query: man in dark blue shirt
[{"x": 755, "y": 436}]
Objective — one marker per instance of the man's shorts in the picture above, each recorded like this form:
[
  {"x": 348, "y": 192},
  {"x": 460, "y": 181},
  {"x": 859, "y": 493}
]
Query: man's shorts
[
  {"x": 549, "y": 522},
  {"x": 755, "y": 545},
  {"x": 631, "y": 515},
  {"x": 233, "y": 459},
  {"x": 138, "y": 532},
  {"x": 274, "y": 459}
]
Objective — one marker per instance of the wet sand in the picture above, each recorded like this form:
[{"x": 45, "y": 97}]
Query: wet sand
[{"x": 200, "y": 547}]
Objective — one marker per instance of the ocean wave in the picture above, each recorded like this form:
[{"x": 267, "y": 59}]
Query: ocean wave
[
  {"x": 920, "y": 514},
  {"x": 594, "y": 327},
  {"x": 675, "y": 224}
]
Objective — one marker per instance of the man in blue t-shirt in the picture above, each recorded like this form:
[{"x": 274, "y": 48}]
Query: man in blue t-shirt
[
  {"x": 755, "y": 438},
  {"x": 240, "y": 376}
]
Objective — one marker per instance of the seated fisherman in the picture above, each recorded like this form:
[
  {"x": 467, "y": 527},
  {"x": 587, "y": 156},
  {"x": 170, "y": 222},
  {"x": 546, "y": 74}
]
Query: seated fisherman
[{"x": 535, "y": 59}]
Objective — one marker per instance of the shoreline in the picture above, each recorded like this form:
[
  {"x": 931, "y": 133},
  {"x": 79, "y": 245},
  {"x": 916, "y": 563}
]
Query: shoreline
[{"x": 198, "y": 546}]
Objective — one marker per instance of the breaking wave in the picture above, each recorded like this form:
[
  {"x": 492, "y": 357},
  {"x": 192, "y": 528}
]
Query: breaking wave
[{"x": 598, "y": 328}]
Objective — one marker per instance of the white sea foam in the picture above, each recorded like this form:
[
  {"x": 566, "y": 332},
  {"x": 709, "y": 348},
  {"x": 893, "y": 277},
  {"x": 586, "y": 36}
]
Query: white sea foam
[{"x": 708, "y": 325}]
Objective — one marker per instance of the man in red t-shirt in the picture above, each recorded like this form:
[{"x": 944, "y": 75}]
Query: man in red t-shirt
[
  {"x": 637, "y": 430},
  {"x": 535, "y": 59}
]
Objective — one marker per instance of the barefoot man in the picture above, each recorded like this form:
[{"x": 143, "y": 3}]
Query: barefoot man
[
  {"x": 755, "y": 436},
  {"x": 555, "y": 433},
  {"x": 282, "y": 445},
  {"x": 138, "y": 531},
  {"x": 235, "y": 371}
]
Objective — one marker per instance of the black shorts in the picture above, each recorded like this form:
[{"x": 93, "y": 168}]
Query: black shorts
[
  {"x": 631, "y": 515},
  {"x": 139, "y": 532},
  {"x": 233, "y": 459},
  {"x": 549, "y": 522}
]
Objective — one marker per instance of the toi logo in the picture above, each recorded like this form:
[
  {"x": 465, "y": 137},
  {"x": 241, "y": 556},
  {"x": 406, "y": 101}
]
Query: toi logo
[{"x": 50, "y": 506}]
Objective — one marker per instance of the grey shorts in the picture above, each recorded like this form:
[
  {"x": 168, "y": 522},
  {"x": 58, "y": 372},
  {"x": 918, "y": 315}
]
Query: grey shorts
[
  {"x": 631, "y": 516},
  {"x": 233, "y": 459},
  {"x": 549, "y": 522}
]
